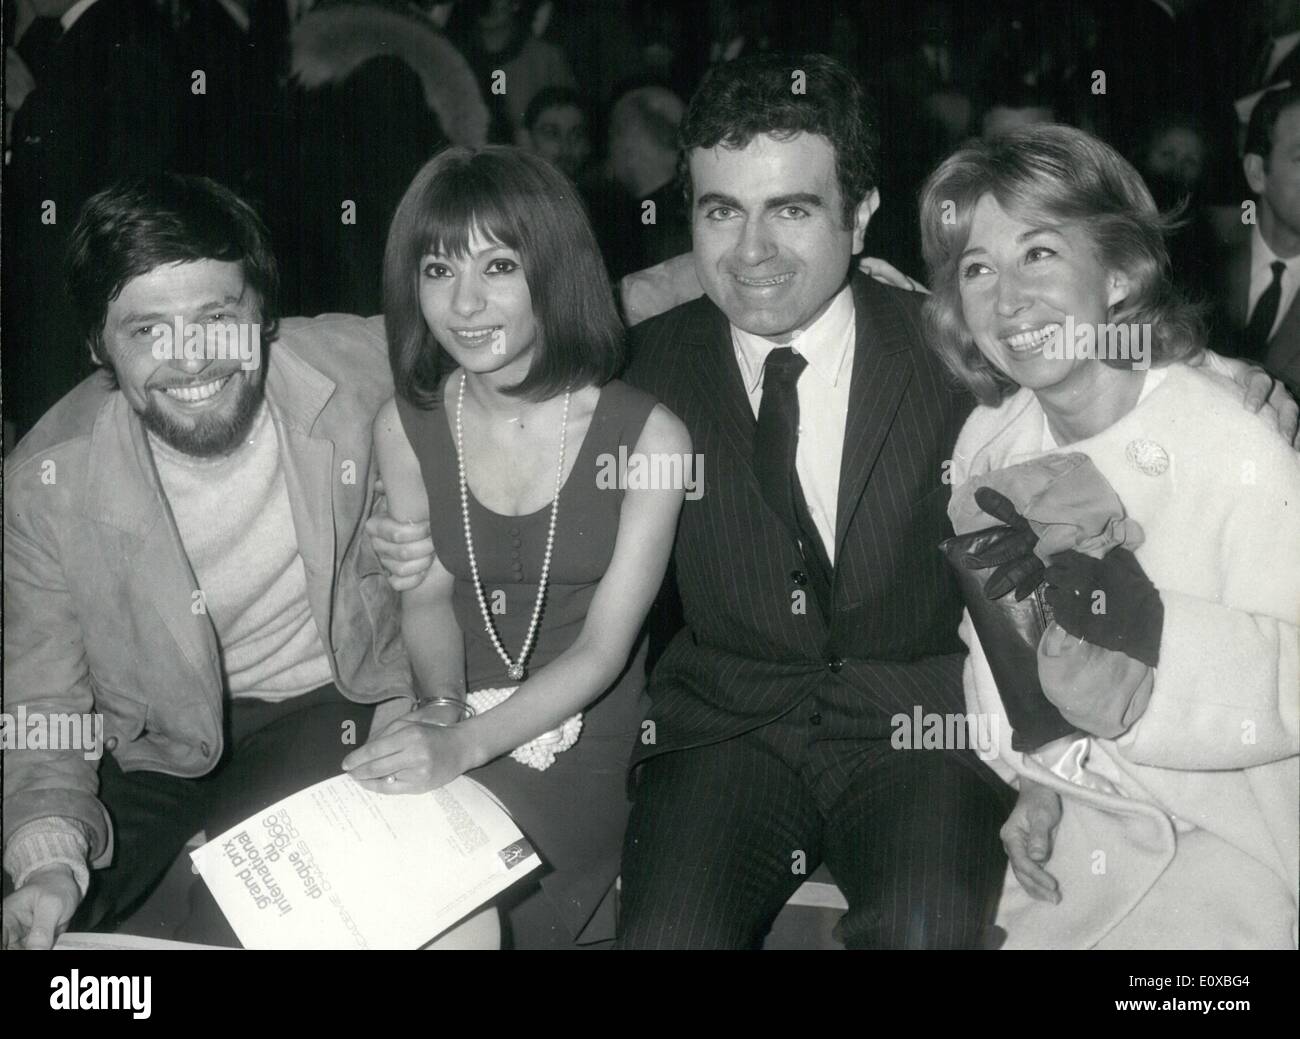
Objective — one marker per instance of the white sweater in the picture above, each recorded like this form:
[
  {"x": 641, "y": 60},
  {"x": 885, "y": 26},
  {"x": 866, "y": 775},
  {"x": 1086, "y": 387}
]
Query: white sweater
[
  {"x": 1201, "y": 845},
  {"x": 234, "y": 519}
]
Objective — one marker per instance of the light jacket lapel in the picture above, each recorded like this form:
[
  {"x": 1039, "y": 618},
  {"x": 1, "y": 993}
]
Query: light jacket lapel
[
  {"x": 297, "y": 394},
  {"x": 123, "y": 491},
  {"x": 881, "y": 371}
]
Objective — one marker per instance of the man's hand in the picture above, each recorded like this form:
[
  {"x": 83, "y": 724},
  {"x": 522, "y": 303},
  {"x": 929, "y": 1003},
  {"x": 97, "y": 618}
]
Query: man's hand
[
  {"x": 39, "y": 911},
  {"x": 1027, "y": 836},
  {"x": 888, "y": 274},
  {"x": 404, "y": 549},
  {"x": 1263, "y": 391}
]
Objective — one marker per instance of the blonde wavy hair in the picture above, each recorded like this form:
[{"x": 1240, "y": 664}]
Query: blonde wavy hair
[{"x": 1054, "y": 175}]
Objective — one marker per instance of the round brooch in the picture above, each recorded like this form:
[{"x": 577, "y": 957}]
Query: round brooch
[{"x": 1147, "y": 456}]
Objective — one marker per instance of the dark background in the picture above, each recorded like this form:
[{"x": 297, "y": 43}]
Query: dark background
[{"x": 114, "y": 95}]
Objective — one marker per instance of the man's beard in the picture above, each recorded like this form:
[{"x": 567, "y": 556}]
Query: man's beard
[{"x": 211, "y": 436}]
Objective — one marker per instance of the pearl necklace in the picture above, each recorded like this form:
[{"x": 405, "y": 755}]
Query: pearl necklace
[{"x": 514, "y": 668}]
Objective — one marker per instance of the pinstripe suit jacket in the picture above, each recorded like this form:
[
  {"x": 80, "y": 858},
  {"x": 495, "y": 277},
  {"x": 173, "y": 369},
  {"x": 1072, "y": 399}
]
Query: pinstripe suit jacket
[{"x": 748, "y": 654}]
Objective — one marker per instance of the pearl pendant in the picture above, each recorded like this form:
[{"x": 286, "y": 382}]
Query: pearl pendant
[{"x": 514, "y": 670}]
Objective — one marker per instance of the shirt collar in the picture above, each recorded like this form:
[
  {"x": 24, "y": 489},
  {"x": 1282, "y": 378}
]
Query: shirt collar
[
  {"x": 824, "y": 344},
  {"x": 70, "y": 16},
  {"x": 1262, "y": 257}
]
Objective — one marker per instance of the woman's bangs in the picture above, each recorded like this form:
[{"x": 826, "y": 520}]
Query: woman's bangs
[{"x": 460, "y": 207}]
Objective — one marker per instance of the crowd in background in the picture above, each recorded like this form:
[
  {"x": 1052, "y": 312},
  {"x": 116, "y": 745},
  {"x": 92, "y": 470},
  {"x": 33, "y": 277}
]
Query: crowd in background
[{"x": 320, "y": 114}]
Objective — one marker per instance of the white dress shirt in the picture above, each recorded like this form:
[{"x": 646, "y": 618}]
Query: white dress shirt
[
  {"x": 823, "y": 388},
  {"x": 1261, "y": 276}
]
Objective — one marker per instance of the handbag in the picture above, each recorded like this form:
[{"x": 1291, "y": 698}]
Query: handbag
[{"x": 1010, "y": 632}]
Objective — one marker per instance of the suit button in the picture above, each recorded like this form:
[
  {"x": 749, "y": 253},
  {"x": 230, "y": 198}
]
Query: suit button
[
  {"x": 205, "y": 750},
  {"x": 111, "y": 743},
  {"x": 835, "y": 664},
  {"x": 815, "y": 718},
  {"x": 798, "y": 577}
]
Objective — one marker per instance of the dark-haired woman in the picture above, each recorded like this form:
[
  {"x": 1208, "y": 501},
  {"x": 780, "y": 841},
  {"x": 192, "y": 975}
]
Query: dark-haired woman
[{"x": 547, "y": 557}]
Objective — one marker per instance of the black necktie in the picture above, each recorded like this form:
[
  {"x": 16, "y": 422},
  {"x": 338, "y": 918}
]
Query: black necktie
[
  {"x": 1265, "y": 313},
  {"x": 776, "y": 440},
  {"x": 777, "y": 435}
]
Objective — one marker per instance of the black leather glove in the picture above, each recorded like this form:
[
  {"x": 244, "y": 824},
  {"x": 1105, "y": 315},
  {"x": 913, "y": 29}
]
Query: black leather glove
[
  {"x": 1009, "y": 632},
  {"x": 1131, "y": 617},
  {"x": 1009, "y": 549}
]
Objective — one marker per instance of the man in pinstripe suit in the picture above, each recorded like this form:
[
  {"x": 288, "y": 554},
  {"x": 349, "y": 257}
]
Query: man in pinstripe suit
[{"x": 817, "y": 606}]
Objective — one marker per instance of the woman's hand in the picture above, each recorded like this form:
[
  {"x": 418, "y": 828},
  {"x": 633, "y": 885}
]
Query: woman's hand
[
  {"x": 1010, "y": 550},
  {"x": 1027, "y": 836},
  {"x": 418, "y": 752}
]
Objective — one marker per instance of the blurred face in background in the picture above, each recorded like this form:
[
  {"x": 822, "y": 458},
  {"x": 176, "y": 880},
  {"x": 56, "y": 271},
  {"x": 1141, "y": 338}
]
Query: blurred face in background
[
  {"x": 1276, "y": 180},
  {"x": 494, "y": 14},
  {"x": 560, "y": 137},
  {"x": 1000, "y": 119},
  {"x": 1178, "y": 154},
  {"x": 439, "y": 12}
]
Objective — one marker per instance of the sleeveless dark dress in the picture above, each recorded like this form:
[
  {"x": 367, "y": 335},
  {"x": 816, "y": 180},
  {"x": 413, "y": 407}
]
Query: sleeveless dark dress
[{"x": 575, "y": 811}]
